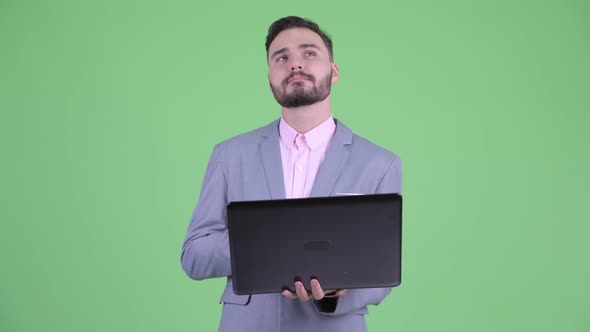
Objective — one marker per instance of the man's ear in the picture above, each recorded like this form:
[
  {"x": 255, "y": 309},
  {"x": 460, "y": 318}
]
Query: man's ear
[{"x": 335, "y": 72}]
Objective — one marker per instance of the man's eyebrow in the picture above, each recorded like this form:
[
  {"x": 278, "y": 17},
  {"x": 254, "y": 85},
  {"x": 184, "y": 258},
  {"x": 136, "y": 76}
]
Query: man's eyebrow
[
  {"x": 278, "y": 52},
  {"x": 302, "y": 46},
  {"x": 309, "y": 46}
]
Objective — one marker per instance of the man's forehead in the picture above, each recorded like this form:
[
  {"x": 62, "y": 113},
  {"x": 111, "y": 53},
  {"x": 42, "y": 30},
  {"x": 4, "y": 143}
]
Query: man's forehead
[{"x": 294, "y": 38}]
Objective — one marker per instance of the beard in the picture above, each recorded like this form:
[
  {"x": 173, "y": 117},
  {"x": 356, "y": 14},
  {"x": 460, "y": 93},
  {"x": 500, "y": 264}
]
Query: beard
[{"x": 300, "y": 96}]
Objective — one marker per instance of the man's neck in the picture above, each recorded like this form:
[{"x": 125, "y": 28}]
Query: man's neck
[{"x": 305, "y": 118}]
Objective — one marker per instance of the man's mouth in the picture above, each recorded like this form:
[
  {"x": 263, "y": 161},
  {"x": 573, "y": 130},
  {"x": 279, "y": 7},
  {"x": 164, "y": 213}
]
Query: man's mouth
[{"x": 298, "y": 77}]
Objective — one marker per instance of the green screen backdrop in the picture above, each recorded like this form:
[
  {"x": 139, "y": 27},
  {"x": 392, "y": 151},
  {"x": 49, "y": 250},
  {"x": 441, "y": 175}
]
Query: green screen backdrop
[{"x": 110, "y": 110}]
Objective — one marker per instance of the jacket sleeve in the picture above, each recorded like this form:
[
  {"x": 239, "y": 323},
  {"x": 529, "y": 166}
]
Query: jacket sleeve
[
  {"x": 357, "y": 300},
  {"x": 205, "y": 252}
]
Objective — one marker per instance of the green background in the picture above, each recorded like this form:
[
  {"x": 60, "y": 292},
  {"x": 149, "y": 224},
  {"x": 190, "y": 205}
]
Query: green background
[{"x": 110, "y": 110}]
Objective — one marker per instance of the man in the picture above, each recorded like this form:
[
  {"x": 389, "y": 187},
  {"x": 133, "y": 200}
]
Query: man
[{"x": 304, "y": 153}]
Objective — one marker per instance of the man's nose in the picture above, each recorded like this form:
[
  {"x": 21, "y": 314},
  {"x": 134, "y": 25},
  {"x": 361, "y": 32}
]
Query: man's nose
[{"x": 296, "y": 64}]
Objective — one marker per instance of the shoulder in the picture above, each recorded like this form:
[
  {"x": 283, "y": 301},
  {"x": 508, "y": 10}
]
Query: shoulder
[
  {"x": 369, "y": 168},
  {"x": 363, "y": 148},
  {"x": 371, "y": 150},
  {"x": 250, "y": 139},
  {"x": 374, "y": 158}
]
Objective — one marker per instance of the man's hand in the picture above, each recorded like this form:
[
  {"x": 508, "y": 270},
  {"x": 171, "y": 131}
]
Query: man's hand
[{"x": 316, "y": 291}]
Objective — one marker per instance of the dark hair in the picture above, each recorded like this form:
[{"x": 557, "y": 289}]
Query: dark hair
[{"x": 289, "y": 22}]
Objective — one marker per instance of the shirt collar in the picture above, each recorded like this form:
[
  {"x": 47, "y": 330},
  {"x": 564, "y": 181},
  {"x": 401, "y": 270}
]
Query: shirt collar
[{"x": 314, "y": 137}]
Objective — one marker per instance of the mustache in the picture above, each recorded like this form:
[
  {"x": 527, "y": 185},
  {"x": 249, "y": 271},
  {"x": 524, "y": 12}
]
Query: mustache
[{"x": 307, "y": 76}]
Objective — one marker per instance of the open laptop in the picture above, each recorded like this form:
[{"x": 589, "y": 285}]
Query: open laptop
[{"x": 344, "y": 241}]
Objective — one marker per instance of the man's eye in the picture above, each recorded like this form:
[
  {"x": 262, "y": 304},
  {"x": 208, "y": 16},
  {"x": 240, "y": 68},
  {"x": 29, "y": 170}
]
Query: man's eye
[
  {"x": 282, "y": 58},
  {"x": 308, "y": 54}
]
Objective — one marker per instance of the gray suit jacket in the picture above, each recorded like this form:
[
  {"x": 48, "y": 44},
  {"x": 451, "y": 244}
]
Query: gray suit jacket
[{"x": 249, "y": 167}]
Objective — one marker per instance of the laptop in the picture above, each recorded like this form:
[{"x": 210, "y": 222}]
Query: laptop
[{"x": 345, "y": 242}]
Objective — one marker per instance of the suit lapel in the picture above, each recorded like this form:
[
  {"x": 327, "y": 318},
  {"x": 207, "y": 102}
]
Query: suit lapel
[
  {"x": 334, "y": 161},
  {"x": 271, "y": 161}
]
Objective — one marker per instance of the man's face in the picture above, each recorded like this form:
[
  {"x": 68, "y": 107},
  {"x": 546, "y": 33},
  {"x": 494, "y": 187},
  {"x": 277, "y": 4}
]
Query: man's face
[{"x": 299, "y": 68}]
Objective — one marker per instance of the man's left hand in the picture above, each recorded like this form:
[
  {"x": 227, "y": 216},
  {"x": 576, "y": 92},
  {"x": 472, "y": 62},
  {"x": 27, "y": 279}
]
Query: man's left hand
[{"x": 316, "y": 291}]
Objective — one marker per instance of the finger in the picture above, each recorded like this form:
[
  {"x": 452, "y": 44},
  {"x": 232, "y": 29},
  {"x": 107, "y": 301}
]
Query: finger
[
  {"x": 334, "y": 293},
  {"x": 341, "y": 292},
  {"x": 316, "y": 289},
  {"x": 289, "y": 294},
  {"x": 301, "y": 291}
]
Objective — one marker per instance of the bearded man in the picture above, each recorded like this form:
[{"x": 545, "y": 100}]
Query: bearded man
[{"x": 305, "y": 153}]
